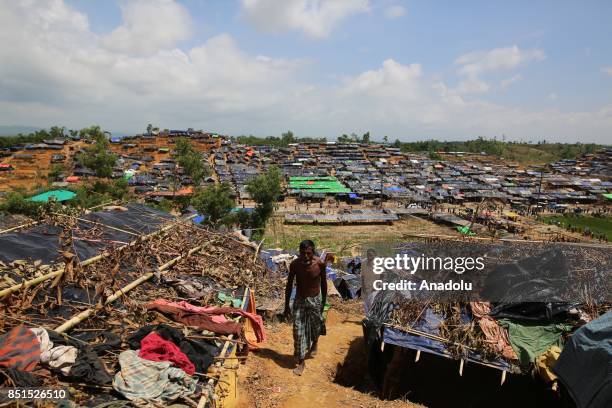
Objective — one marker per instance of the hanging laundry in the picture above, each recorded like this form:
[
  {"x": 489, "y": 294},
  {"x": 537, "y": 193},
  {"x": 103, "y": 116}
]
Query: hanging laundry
[
  {"x": 545, "y": 362},
  {"x": 19, "y": 349},
  {"x": 531, "y": 340},
  {"x": 153, "y": 347},
  {"x": 200, "y": 352},
  {"x": 494, "y": 333},
  {"x": 156, "y": 380}
]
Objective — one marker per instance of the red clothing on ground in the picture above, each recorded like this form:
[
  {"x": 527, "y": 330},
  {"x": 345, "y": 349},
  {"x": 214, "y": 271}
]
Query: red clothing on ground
[
  {"x": 19, "y": 349},
  {"x": 155, "y": 348}
]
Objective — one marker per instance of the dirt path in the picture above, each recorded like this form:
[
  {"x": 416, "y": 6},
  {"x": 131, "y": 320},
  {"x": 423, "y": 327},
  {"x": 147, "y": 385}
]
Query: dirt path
[{"x": 266, "y": 380}]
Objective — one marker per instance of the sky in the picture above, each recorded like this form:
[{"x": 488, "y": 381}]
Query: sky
[{"x": 408, "y": 70}]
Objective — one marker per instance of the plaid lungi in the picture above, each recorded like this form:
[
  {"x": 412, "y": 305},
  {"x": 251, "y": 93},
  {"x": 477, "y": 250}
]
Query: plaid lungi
[{"x": 307, "y": 324}]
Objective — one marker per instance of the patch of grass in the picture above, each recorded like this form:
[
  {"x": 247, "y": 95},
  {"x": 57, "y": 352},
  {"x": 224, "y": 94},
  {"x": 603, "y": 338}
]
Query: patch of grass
[{"x": 598, "y": 225}]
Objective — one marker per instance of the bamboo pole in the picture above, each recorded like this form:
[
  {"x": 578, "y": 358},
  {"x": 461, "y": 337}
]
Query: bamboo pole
[
  {"x": 86, "y": 262},
  {"x": 204, "y": 397},
  {"x": 89, "y": 312},
  {"x": 19, "y": 227},
  {"x": 27, "y": 284}
]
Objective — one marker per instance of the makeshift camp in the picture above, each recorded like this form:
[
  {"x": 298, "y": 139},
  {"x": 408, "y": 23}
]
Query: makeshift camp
[
  {"x": 97, "y": 298},
  {"x": 526, "y": 302}
]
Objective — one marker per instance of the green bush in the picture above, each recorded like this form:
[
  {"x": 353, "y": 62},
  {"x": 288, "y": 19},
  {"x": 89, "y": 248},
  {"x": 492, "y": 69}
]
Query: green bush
[{"x": 16, "y": 203}]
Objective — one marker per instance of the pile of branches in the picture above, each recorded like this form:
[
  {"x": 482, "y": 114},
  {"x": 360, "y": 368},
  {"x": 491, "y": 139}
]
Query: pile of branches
[{"x": 460, "y": 334}]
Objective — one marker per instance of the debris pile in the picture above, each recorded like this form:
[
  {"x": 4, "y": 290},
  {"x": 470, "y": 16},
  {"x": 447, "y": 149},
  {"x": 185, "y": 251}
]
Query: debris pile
[{"x": 91, "y": 309}]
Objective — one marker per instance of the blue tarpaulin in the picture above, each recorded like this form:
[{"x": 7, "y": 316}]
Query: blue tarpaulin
[
  {"x": 585, "y": 365},
  {"x": 429, "y": 324},
  {"x": 198, "y": 219}
]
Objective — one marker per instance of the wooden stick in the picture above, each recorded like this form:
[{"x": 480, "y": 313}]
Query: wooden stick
[
  {"x": 19, "y": 227},
  {"x": 257, "y": 251}
]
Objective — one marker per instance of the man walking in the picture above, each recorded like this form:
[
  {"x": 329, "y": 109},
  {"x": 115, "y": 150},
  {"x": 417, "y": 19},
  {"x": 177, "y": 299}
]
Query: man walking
[{"x": 311, "y": 280}]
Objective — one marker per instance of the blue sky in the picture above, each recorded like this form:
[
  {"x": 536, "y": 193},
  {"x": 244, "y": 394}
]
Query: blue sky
[{"x": 405, "y": 69}]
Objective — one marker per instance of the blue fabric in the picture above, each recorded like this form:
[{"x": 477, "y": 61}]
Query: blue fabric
[
  {"x": 585, "y": 364},
  {"x": 199, "y": 219},
  {"x": 429, "y": 323}
]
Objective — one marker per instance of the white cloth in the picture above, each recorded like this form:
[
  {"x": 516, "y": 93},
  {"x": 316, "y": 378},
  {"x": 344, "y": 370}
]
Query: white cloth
[{"x": 61, "y": 357}]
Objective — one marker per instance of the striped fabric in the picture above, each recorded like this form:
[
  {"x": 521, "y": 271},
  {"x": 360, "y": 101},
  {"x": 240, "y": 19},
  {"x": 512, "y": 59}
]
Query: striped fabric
[
  {"x": 19, "y": 349},
  {"x": 151, "y": 380},
  {"x": 307, "y": 324}
]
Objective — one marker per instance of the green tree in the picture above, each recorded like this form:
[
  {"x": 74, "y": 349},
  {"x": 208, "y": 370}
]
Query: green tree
[
  {"x": 16, "y": 203},
  {"x": 149, "y": 128},
  {"x": 287, "y": 138},
  {"x": 98, "y": 156},
  {"x": 57, "y": 132},
  {"x": 265, "y": 190},
  {"x": 190, "y": 160},
  {"x": 386, "y": 139},
  {"x": 366, "y": 138},
  {"x": 92, "y": 133},
  {"x": 344, "y": 138},
  {"x": 215, "y": 202}
]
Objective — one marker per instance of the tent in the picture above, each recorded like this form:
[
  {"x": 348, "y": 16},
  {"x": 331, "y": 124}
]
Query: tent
[
  {"x": 57, "y": 195},
  {"x": 585, "y": 363}
]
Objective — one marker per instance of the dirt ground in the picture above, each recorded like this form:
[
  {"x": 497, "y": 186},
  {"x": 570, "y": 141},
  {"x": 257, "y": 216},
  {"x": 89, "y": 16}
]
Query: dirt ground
[{"x": 336, "y": 377}]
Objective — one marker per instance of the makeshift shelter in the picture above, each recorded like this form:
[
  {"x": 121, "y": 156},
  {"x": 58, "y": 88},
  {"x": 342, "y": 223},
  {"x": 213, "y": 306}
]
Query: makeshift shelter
[
  {"x": 57, "y": 195},
  {"x": 325, "y": 185},
  {"x": 522, "y": 305},
  {"x": 127, "y": 267},
  {"x": 584, "y": 366}
]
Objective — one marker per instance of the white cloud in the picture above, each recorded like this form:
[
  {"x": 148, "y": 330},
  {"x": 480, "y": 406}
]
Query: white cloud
[
  {"x": 149, "y": 26},
  {"x": 473, "y": 85},
  {"x": 316, "y": 18},
  {"x": 498, "y": 59},
  {"x": 607, "y": 70},
  {"x": 57, "y": 71},
  {"x": 392, "y": 78},
  {"x": 56, "y": 62},
  {"x": 553, "y": 96},
  {"x": 472, "y": 66},
  {"x": 395, "y": 11},
  {"x": 505, "y": 83}
]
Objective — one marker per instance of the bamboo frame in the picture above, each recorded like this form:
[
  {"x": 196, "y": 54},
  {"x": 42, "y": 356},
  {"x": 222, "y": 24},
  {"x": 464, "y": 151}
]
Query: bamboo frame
[
  {"x": 442, "y": 340},
  {"x": 90, "y": 312},
  {"x": 86, "y": 262}
]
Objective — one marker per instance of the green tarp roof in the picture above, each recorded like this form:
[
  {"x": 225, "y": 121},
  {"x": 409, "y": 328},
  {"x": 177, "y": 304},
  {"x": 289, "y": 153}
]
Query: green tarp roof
[
  {"x": 608, "y": 196},
  {"x": 58, "y": 195},
  {"x": 324, "y": 185}
]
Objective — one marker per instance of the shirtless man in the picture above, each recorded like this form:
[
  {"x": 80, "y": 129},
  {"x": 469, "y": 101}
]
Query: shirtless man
[{"x": 309, "y": 273}]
